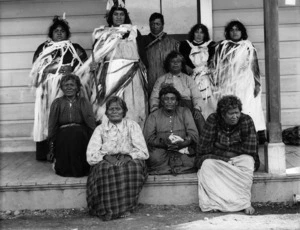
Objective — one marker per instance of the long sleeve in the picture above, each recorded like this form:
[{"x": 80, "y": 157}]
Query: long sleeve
[
  {"x": 87, "y": 113},
  {"x": 53, "y": 119},
  {"x": 150, "y": 131},
  {"x": 123, "y": 138},
  {"x": 94, "y": 154}
]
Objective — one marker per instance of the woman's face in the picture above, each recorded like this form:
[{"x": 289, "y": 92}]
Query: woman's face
[
  {"x": 235, "y": 34},
  {"x": 156, "y": 26},
  {"x": 118, "y": 18},
  {"x": 115, "y": 113},
  {"x": 59, "y": 34},
  {"x": 199, "y": 35},
  {"x": 169, "y": 101},
  {"x": 70, "y": 88},
  {"x": 232, "y": 116},
  {"x": 175, "y": 65}
]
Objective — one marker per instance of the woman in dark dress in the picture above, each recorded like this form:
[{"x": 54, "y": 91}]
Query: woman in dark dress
[
  {"x": 52, "y": 59},
  {"x": 71, "y": 124}
]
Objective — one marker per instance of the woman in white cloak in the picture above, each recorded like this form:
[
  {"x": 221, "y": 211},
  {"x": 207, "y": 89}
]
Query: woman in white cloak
[
  {"x": 114, "y": 68},
  {"x": 236, "y": 72}
]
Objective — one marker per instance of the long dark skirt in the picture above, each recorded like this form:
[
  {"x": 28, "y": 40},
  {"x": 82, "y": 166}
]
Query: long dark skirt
[
  {"x": 70, "y": 151},
  {"x": 114, "y": 190}
]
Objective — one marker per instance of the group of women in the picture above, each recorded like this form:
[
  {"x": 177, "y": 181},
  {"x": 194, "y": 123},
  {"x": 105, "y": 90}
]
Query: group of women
[{"x": 74, "y": 93}]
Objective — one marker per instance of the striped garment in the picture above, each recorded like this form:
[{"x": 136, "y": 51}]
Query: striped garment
[{"x": 114, "y": 190}]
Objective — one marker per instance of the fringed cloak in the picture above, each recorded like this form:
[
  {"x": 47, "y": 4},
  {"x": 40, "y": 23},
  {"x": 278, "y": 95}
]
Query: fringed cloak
[
  {"x": 46, "y": 79},
  {"x": 119, "y": 73},
  {"x": 237, "y": 73}
]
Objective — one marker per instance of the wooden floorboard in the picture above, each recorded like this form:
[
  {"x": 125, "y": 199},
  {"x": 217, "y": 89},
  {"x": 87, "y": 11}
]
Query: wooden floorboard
[{"x": 22, "y": 169}]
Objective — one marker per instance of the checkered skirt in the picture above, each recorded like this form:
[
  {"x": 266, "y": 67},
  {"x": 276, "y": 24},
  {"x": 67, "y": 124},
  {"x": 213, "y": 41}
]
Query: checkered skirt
[{"x": 113, "y": 190}]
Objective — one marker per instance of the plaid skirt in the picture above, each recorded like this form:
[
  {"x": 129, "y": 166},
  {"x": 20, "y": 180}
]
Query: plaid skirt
[{"x": 113, "y": 190}]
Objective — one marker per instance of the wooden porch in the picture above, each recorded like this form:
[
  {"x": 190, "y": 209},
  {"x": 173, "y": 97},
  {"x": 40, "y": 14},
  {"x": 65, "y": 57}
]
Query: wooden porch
[{"x": 28, "y": 184}]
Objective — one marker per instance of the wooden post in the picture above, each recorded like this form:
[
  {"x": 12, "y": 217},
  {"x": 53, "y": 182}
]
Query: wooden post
[
  {"x": 275, "y": 149},
  {"x": 198, "y": 12}
]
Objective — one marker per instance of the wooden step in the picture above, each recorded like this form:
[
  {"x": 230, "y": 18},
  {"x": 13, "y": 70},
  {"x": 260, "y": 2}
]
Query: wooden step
[
  {"x": 159, "y": 190},
  {"x": 29, "y": 184},
  {"x": 17, "y": 144}
]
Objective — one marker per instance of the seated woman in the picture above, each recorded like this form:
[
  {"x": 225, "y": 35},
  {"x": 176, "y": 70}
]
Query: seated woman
[
  {"x": 116, "y": 152},
  {"x": 186, "y": 86},
  {"x": 71, "y": 123},
  {"x": 171, "y": 135},
  {"x": 227, "y": 156}
]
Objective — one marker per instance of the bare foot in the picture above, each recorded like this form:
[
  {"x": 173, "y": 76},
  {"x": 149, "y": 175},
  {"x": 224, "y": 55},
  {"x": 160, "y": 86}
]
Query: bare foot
[
  {"x": 214, "y": 211},
  {"x": 249, "y": 211},
  {"x": 125, "y": 215}
]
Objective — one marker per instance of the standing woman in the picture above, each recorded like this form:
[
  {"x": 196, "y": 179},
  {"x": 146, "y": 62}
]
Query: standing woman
[
  {"x": 237, "y": 72},
  {"x": 117, "y": 152},
  {"x": 52, "y": 59},
  {"x": 116, "y": 67},
  {"x": 198, "y": 51}
]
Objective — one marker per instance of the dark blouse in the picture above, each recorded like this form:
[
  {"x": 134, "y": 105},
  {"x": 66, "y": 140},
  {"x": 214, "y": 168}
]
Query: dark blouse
[
  {"x": 68, "y": 57},
  {"x": 64, "y": 111}
]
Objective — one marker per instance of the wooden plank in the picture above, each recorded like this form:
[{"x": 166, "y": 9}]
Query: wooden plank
[
  {"x": 39, "y": 26},
  {"x": 289, "y": 32},
  {"x": 290, "y": 117},
  {"x": 11, "y": 112},
  {"x": 253, "y": 4},
  {"x": 253, "y": 17},
  {"x": 293, "y": 159},
  {"x": 24, "y": 9},
  {"x": 14, "y": 77},
  {"x": 29, "y": 43},
  {"x": 19, "y": 128},
  {"x": 287, "y": 49},
  {"x": 8, "y": 173},
  {"x": 287, "y": 66},
  {"x": 17, "y": 95},
  {"x": 17, "y": 144},
  {"x": 288, "y": 83},
  {"x": 289, "y": 100},
  {"x": 6, "y": 159}
]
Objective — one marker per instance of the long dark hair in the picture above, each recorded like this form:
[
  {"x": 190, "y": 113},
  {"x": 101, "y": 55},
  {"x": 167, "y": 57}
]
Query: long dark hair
[
  {"x": 197, "y": 27},
  {"x": 109, "y": 18},
  {"x": 239, "y": 25}
]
